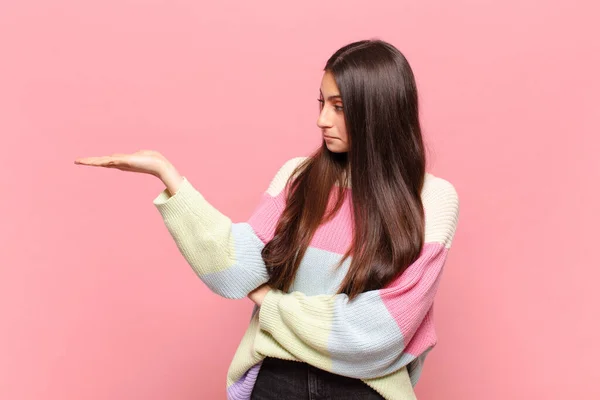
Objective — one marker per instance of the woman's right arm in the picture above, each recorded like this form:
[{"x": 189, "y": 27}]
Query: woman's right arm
[{"x": 226, "y": 256}]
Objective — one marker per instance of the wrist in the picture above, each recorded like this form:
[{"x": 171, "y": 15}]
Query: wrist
[
  {"x": 259, "y": 294},
  {"x": 163, "y": 169},
  {"x": 170, "y": 177}
]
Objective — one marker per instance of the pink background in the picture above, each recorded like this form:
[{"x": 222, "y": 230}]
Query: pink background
[{"x": 97, "y": 303}]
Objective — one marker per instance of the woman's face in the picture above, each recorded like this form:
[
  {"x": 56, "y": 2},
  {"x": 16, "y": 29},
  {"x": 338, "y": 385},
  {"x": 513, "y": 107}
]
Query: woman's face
[{"x": 331, "y": 116}]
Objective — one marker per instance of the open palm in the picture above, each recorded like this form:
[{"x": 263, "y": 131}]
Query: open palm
[{"x": 143, "y": 161}]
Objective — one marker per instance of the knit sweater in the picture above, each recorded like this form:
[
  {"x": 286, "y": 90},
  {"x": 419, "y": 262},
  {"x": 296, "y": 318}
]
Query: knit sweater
[{"x": 381, "y": 337}]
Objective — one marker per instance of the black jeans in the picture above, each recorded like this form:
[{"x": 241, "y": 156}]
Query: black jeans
[{"x": 293, "y": 380}]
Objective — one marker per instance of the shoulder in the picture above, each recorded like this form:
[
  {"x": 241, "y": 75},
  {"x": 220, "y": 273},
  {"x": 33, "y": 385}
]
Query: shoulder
[
  {"x": 441, "y": 205},
  {"x": 283, "y": 174}
]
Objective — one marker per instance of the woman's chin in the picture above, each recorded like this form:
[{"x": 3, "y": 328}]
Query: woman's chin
[{"x": 336, "y": 148}]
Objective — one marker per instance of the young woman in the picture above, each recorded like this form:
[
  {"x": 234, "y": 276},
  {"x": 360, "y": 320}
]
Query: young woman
[{"x": 343, "y": 254}]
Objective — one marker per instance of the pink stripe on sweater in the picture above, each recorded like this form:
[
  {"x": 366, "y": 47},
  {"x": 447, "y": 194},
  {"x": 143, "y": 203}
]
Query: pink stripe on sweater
[
  {"x": 424, "y": 337},
  {"x": 409, "y": 298},
  {"x": 334, "y": 236},
  {"x": 264, "y": 218}
]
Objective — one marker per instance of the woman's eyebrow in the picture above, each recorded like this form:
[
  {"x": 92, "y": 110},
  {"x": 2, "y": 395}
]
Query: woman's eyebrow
[{"x": 336, "y": 96}]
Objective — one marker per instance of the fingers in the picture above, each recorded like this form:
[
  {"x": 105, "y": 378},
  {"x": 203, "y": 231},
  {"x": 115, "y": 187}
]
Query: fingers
[
  {"x": 104, "y": 161},
  {"x": 93, "y": 161}
]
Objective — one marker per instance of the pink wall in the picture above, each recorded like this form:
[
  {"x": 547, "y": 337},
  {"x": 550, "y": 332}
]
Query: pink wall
[{"x": 97, "y": 303}]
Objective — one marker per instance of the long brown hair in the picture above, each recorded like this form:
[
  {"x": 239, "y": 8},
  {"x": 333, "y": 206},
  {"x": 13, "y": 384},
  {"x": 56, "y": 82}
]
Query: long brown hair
[{"x": 385, "y": 167}]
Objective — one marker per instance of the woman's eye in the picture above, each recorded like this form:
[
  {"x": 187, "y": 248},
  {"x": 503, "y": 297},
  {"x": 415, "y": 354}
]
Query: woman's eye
[{"x": 335, "y": 107}]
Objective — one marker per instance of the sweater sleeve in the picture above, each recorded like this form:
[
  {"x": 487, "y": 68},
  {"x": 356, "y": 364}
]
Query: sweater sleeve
[
  {"x": 379, "y": 331},
  {"x": 226, "y": 256}
]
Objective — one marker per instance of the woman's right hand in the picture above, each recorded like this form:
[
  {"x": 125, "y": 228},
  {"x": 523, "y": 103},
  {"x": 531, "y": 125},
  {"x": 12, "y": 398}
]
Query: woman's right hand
[{"x": 143, "y": 161}]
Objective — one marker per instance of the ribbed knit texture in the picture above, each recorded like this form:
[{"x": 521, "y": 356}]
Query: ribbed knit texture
[{"x": 381, "y": 337}]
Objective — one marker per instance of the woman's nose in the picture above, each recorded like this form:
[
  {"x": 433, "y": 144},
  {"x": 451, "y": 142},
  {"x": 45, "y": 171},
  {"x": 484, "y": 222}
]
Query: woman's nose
[{"x": 323, "y": 121}]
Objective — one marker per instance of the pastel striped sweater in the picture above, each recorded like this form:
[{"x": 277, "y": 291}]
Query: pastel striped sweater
[{"x": 381, "y": 337}]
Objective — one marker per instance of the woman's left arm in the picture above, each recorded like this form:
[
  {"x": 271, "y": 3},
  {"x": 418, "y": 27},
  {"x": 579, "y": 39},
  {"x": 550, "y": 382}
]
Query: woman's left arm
[{"x": 379, "y": 331}]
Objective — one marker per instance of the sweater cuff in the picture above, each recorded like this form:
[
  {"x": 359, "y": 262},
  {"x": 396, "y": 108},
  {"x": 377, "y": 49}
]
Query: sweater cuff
[
  {"x": 268, "y": 315},
  {"x": 179, "y": 203}
]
